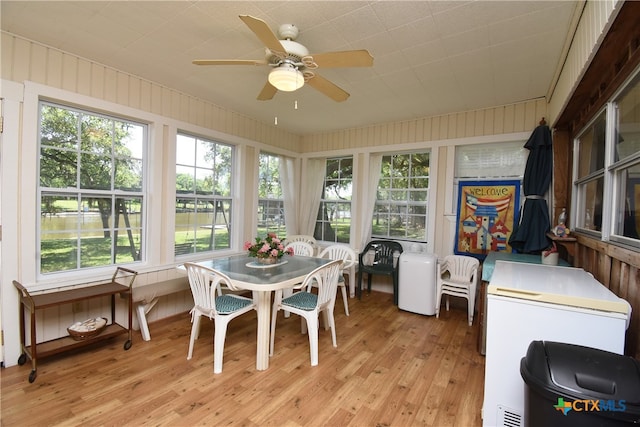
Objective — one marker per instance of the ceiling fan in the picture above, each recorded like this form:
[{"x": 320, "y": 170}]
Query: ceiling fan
[{"x": 292, "y": 64}]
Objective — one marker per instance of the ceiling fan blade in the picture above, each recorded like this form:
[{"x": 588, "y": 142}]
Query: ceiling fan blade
[
  {"x": 229, "y": 62},
  {"x": 345, "y": 58},
  {"x": 323, "y": 85},
  {"x": 267, "y": 92},
  {"x": 264, "y": 33}
]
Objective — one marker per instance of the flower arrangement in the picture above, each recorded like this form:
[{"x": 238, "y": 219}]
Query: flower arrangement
[{"x": 269, "y": 247}]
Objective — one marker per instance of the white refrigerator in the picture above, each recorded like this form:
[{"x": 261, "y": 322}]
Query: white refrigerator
[{"x": 527, "y": 302}]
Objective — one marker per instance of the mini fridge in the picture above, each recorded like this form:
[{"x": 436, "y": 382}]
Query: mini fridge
[
  {"x": 417, "y": 282},
  {"x": 529, "y": 302}
]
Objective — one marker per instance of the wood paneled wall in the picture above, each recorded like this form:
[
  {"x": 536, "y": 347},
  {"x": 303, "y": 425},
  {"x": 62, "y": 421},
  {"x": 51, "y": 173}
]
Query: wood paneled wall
[
  {"x": 520, "y": 117},
  {"x": 594, "y": 21},
  {"x": 619, "y": 270},
  {"x": 617, "y": 57}
]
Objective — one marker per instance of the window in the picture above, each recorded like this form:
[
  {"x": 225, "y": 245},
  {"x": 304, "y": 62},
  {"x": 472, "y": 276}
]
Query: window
[
  {"x": 270, "y": 203},
  {"x": 590, "y": 174},
  {"x": 607, "y": 172},
  {"x": 498, "y": 160},
  {"x": 203, "y": 195},
  {"x": 334, "y": 214},
  {"x": 492, "y": 161},
  {"x": 401, "y": 207},
  {"x": 91, "y": 189},
  {"x": 626, "y": 167}
]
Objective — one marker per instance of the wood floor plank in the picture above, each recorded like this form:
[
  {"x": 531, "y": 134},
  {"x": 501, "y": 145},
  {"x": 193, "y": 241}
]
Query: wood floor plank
[{"x": 390, "y": 368}]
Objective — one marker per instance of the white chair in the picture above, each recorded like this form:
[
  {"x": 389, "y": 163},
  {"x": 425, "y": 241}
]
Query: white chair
[
  {"x": 349, "y": 260},
  {"x": 209, "y": 301},
  {"x": 308, "y": 305},
  {"x": 458, "y": 276},
  {"x": 300, "y": 248},
  {"x": 302, "y": 238}
]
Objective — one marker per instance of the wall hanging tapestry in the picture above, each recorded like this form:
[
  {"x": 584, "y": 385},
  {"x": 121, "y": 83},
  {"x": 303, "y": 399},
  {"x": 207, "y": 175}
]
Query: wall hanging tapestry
[{"x": 486, "y": 216}]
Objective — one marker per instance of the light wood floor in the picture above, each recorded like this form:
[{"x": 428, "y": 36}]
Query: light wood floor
[{"x": 391, "y": 368}]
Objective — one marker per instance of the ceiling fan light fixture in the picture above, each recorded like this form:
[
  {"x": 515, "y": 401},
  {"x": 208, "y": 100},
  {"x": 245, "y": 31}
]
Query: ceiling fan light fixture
[{"x": 286, "y": 78}]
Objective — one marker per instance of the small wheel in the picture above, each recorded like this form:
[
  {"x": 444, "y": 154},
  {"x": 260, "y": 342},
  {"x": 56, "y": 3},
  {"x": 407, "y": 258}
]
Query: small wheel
[
  {"x": 22, "y": 359},
  {"x": 127, "y": 345},
  {"x": 32, "y": 376}
]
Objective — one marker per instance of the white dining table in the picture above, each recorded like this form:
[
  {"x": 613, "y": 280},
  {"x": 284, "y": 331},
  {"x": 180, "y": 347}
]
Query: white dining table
[{"x": 262, "y": 281}]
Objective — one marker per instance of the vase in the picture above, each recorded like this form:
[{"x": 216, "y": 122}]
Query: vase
[{"x": 268, "y": 260}]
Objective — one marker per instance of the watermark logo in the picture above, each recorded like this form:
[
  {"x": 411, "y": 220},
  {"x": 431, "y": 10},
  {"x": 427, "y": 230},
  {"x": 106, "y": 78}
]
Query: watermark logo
[
  {"x": 563, "y": 406},
  {"x": 590, "y": 405}
]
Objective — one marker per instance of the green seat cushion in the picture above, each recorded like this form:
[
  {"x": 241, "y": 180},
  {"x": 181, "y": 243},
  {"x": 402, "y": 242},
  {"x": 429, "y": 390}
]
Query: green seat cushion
[
  {"x": 302, "y": 300},
  {"x": 226, "y": 304}
]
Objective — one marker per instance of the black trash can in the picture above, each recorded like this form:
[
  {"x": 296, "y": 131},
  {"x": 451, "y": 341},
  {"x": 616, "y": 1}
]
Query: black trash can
[{"x": 572, "y": 385}]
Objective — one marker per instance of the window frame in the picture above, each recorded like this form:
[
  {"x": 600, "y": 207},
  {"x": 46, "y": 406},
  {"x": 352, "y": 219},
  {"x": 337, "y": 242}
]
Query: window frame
[
  {"x": 610, "y": 174},
  {"x": 281, "y": 229},
  {"x": 319, "y": 231},
  {"x": 81, "y": 194},
  {"x": 407, "y": 202},
  {"x": 619, "y": 166},
  {"x": 490, "y": 146},
  {"x": 182, "y": 249}
]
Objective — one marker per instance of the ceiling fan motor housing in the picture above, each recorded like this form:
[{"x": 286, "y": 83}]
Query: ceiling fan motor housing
[
  {"x": 295, "y": 51},
  {"x": 288, "y": 32}
]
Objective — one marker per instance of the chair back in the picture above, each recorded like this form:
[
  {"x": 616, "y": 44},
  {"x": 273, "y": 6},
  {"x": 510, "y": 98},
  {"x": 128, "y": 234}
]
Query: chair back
[
  {"x": 343, "y": 252},
  {"x": 206, "y": 285},
  {"x": 301, "y": 238},
  {"x": 461, "y": 268},
  {"x": 384, "y": 252},
  {"x": 300, "y": 248},
  {"x": 325, "y": 278}
]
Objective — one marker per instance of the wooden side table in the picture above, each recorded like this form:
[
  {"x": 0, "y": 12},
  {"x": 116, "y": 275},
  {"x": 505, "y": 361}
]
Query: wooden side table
[{"x": 120, "y": 284}]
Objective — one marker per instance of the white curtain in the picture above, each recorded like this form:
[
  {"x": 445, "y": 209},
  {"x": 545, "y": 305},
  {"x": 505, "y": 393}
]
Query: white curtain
[
  {"x": 288, "y": 180},
  {"x": 310, "y": 194},
  {"x": 369, "y": 199}
]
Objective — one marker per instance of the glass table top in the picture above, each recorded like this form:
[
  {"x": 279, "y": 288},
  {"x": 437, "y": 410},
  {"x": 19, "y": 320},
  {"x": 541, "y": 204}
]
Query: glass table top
[{"x": 237, "y": 269}]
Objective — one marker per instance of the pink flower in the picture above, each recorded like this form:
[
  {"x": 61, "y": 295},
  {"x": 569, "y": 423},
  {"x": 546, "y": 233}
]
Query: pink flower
[{"x": 271, "y": 246}]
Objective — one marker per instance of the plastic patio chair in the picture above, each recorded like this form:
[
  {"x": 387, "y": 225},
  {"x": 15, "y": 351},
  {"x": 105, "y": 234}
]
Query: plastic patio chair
[
  {"x": 301, "y": 248},
  {"x": 458, "y": 276},
  {"x": 384, "y": 262},
  {"x": 209, "y": 301},
  {"x": 349, "y": 260},
  {"x": 302, "y": 238},
  {"x": 309, "y": 305}
]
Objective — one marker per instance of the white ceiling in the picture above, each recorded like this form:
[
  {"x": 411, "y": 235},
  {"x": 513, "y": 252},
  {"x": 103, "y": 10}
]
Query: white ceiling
[{"x": 430, "y": 57}]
